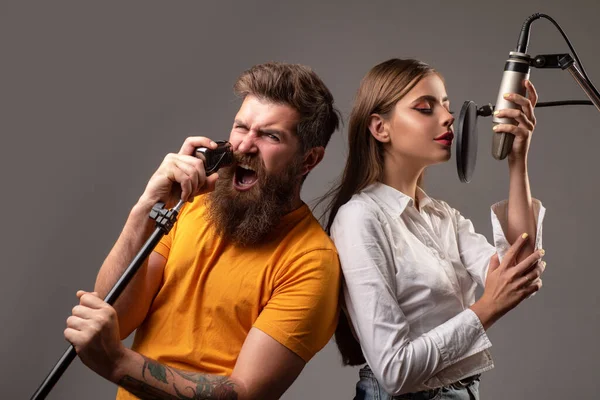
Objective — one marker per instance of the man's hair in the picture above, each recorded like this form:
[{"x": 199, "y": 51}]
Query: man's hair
[{"x": 299, "y": 87}]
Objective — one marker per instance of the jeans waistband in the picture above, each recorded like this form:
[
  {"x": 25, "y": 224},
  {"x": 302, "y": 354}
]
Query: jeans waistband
[
  {"x": 365, "y": 372},
  {"x": 463, "y": 383}
]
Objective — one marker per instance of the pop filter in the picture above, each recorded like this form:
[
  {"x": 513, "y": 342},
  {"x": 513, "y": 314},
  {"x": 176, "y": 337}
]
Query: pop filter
[
  {"x": 466, "y": 141},
  {"x": 466, "y": 138}
]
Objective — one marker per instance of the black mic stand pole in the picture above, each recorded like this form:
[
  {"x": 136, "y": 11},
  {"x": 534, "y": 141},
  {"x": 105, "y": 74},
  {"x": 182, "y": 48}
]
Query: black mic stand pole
[
  {"x": 164, "y": 222},
  {"x": 568, "y": 63}
]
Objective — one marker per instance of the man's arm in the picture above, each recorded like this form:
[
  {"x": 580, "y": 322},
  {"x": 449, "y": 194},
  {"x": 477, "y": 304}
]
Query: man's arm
[
  {"x": 264, "y": 369},
  {"x": 180, "y": 176},
  {"x": 133, "y": 304}
]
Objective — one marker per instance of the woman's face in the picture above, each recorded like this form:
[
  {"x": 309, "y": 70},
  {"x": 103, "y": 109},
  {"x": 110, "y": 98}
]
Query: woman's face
[{"x": 420, "y": 124}]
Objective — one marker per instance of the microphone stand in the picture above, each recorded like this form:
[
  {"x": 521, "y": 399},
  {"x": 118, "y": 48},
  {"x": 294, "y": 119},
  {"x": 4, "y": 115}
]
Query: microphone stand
[
  {"x": 213, "y": 159},
  {"x": 165, "y": 219},
  {"x": 563, "y": 61},
  {"x": 568, "y": 63}
]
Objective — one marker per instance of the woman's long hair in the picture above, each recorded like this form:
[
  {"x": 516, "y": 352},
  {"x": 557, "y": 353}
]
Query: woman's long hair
[{"x": 379, "y": 91}]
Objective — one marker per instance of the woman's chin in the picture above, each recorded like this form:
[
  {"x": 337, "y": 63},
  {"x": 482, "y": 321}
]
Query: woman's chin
[
  {"x": 444, "y": 155},
  {"x": 439, "y": 158}
]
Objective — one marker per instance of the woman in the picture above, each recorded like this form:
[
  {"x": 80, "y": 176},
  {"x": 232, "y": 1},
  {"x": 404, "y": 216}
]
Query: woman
[{"x": 411, "y": 263}]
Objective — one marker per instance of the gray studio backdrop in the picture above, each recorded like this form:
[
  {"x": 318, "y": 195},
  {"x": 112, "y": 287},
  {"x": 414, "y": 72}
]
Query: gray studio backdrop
[{"x": 94, "y": 94}]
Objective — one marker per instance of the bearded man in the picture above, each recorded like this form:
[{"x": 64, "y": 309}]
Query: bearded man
[{"x": 243, "y": 291}]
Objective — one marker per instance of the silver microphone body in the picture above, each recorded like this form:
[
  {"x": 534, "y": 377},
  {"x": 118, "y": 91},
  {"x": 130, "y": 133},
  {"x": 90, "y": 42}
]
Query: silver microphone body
[{"x": 516, "y": 70}]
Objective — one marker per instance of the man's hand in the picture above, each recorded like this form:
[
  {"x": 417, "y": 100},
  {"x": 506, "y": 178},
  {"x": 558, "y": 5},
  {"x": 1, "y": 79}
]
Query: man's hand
[
  {"x": 93, "y": 329},
  {"x": 180, "y": 176}
]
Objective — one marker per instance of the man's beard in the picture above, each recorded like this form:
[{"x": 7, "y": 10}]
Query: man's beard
[{"x": 247, "y": 218}]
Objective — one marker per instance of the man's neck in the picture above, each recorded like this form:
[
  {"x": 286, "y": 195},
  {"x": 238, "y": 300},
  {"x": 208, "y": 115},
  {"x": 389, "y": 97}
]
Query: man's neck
[{"x": 296, "y": 203}]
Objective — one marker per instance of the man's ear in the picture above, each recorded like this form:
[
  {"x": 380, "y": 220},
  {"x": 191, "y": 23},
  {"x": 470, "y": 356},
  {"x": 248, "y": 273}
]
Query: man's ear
[
  {"x": 312, "y": 158},
  {"x": 378, "y": 128}
]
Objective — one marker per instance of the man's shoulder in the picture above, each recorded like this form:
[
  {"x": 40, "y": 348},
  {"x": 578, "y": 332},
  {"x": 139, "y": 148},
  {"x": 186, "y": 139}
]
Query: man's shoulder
[
  {"x": 305, "y": 249},
  {"x": 308, "y": 234}
]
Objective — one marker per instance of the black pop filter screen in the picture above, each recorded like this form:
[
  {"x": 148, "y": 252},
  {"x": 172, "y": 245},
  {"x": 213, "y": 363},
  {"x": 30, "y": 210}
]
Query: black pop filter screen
[{"x": 466, "y": 141}]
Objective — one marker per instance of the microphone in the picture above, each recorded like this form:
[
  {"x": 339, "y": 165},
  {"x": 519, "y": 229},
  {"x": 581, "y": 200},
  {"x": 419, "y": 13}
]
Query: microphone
[
  {"x": 516, "y": 70},
  {"x": 214, "y": 159}
]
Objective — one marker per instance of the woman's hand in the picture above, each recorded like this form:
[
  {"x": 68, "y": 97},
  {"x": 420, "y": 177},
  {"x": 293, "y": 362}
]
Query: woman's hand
[
  {"x": 525, "y": 118},
  {"x": 509, "y": 283}
]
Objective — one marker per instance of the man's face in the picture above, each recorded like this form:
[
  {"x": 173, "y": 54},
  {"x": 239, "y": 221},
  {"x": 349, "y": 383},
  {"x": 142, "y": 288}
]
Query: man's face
[
  {"x": 266, "y": 132},
  {"x": 252, "y": 195}
]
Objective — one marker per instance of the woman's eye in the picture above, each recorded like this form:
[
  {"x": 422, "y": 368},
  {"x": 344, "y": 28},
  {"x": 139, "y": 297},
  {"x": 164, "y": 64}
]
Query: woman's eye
[{"x": 424, "y": 110}]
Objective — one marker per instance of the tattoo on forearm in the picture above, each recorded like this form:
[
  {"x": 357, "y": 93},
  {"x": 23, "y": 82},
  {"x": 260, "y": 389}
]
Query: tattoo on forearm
[
  {"x": 157, "y": 370},
  {"x": 197, "y": 386}
]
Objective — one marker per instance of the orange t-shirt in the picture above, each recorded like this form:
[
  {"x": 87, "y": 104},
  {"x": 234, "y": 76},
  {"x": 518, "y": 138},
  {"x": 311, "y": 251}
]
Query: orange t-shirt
[{"x": 213, "y": 293}]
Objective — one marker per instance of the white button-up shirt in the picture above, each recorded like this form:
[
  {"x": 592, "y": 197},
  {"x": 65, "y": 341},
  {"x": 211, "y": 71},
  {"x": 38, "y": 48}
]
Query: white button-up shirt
[{"x": 409, "y": 278}]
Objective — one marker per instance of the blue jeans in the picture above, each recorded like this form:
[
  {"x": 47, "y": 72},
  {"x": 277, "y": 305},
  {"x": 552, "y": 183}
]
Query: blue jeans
[{"x": 368, "y": 388}]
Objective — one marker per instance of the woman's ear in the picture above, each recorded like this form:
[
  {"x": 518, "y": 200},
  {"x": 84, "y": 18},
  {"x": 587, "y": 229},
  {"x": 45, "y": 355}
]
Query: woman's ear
[{"x": 378, "y": 128}]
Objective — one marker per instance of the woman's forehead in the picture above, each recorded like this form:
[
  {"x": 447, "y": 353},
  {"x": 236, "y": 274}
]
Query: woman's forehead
[{"x": 431, "y": 86}]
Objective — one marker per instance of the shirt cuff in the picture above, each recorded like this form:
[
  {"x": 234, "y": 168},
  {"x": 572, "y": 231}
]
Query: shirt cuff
[
  {"x": 499, "y": 212},
  {"x": 460, "y": 337}
]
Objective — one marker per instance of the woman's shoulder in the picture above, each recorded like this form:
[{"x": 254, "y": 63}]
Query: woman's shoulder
[
  {"x": 361, "y": 207},
  {"x": 442, "y": 204},
  {"x": 363, "y": 201},
  {"x": 437, "y": 204}
]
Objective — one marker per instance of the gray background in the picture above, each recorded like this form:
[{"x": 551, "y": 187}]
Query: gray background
[{"x": 94, "y": 94}]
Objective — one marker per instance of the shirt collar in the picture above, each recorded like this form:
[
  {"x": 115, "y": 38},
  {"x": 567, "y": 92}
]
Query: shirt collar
[{"x": 394, "y": 201}]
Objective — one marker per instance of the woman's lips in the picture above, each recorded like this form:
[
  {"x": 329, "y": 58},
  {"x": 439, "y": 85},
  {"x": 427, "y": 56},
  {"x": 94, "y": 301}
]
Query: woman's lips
[{"x": 445, "y": 139}]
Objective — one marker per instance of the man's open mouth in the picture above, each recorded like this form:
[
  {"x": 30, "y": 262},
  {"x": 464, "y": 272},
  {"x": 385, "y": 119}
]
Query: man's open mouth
[{"x": 244, "y": 177}]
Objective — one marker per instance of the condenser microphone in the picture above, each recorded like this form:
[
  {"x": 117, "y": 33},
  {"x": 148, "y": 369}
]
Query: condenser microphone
[{"x": 516, "y": 70}]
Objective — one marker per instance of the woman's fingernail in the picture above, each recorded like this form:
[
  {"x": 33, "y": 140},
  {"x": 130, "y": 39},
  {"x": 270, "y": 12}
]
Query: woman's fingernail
[
  {"x": 506, "y": 95},
  {"x": 212, "y": 143},
  {"x": 495, "y": 128},
  {"x": 525, "y": 235},
  {"x": 496, "y": 112},
  {"x": 542, "y": 252}
]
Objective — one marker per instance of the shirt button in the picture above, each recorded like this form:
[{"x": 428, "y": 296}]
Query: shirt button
[{"x": 442, "y": 256}]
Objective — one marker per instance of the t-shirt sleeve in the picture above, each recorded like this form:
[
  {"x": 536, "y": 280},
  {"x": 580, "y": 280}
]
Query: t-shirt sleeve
[
  {"x": 302, "y": 312},
  {"x": 164, "y": 246}
]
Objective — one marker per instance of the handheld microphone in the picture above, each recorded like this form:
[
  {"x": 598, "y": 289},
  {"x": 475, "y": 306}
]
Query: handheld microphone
[
  {"x": 214, "y": 159},
  {"x": 516, "y": 70}
]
